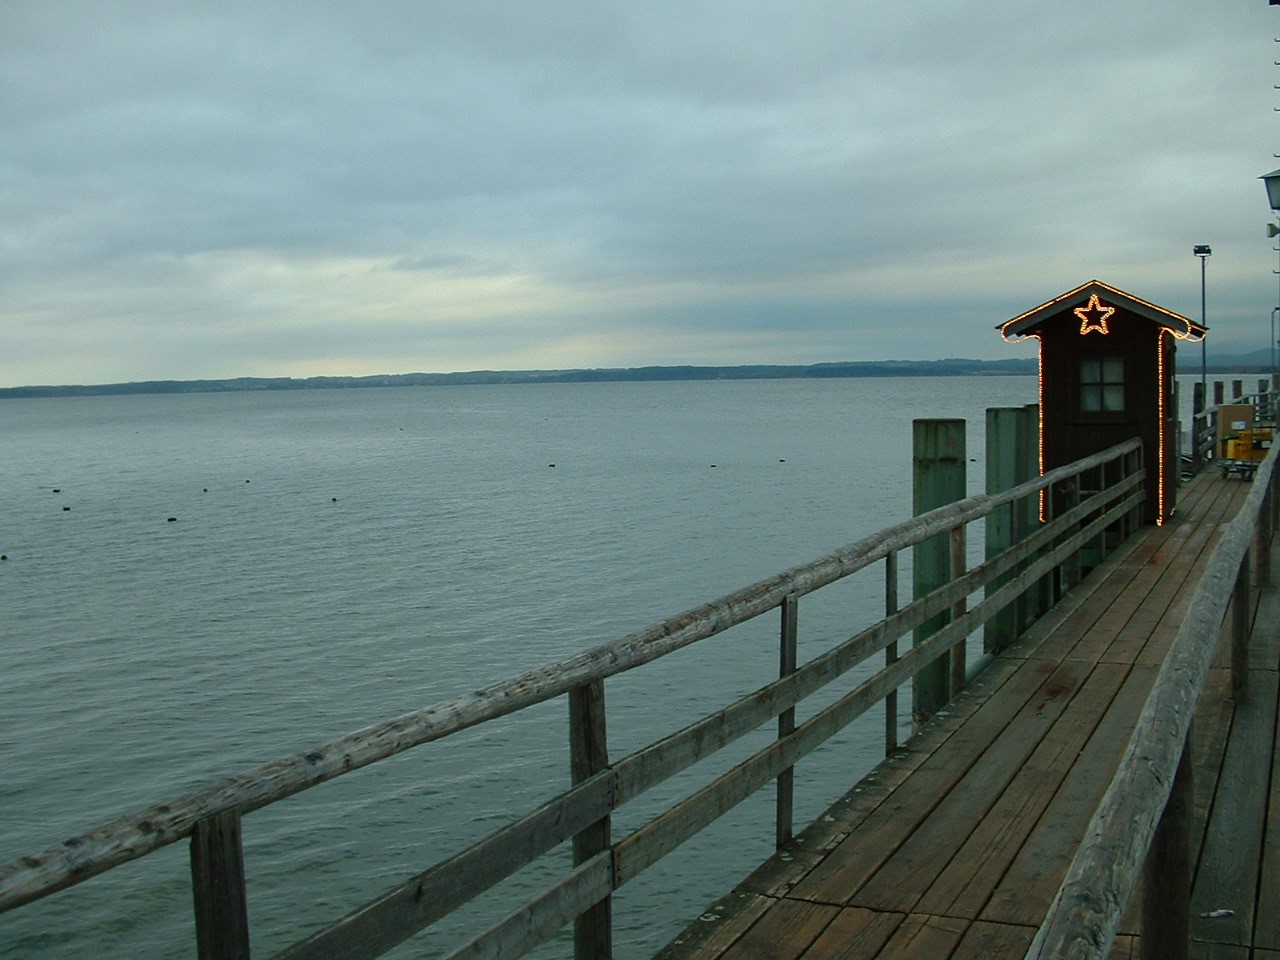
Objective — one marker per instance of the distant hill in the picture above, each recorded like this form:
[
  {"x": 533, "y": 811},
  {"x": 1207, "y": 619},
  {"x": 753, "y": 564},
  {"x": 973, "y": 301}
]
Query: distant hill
[
  {"x": 1257, "y": 362},
  {"x": 873, "y": 368}
]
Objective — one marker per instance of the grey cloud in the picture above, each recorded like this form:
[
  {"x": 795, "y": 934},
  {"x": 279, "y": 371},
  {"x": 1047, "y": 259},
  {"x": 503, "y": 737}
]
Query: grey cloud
[{"x": 688, "y": 153}]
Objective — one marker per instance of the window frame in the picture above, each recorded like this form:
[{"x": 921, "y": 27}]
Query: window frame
[{"x": 1101, "y": 386}]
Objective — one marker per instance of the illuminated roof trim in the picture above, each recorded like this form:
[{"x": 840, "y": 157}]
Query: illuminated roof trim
[{"x": 1025, "y": 324}]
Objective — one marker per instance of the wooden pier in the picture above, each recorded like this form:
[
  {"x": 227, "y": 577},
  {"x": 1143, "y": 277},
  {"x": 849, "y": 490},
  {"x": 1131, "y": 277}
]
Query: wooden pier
[
  {"x": 1037, "y": 800},
  {"x": 956, "y": 845}
]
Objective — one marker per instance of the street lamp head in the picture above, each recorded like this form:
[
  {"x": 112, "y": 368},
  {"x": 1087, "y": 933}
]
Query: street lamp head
[
  {"x": 1272, "y": 181},
  {"x": 1201, "y": 250}
]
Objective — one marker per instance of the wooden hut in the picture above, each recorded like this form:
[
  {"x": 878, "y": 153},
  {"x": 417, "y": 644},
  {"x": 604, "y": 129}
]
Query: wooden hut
[{"x": 1107, "y": 374}]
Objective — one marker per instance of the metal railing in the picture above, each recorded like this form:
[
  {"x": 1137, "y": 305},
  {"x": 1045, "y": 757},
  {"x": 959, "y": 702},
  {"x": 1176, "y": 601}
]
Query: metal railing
[{"x": 581, "y": 815}]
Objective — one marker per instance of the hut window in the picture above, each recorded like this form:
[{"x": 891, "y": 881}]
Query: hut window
[{"x": 1102, "y": 385}]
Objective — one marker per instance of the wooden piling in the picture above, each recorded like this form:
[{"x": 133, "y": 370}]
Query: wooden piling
[
  {"x": 938, "y": 478},
  {"x": 1003, "y": 473}
]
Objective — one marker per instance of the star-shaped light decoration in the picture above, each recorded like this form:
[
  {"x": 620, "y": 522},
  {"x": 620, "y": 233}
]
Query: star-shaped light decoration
[{"x": 1094, "y": 316}]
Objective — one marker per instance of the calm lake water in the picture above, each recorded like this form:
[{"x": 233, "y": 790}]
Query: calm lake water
[{"x": 336, "y": 558}]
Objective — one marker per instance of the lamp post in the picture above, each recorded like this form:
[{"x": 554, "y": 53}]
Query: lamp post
[
  {"x": 1272, "y": 182},
  {"x": 1202, "y": 251}
]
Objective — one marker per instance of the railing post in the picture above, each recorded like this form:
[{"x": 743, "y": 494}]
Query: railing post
[
  {"x": 1002, "y": 525},
  {"x": 1241, "y": 602},
  {"x": 1069, "y": 572},
  {"x": 958, "y": 567},
  {"x": 589, "y": 755},
  {"x": 1134, "y": 519},
  {"x": 787, "y": 719},
  {"x": 1218, "y": 393},
  {"x": 1265, "y": 531},
  {"x": 891, "y": 652},
  {"x": 938, "y": 479},
  {"x": 217, "y": 881},
  {"x": 1166, "y": 883},
  {"x": 1197, "y": 424},
  {"x": 1035, "y": 601}
]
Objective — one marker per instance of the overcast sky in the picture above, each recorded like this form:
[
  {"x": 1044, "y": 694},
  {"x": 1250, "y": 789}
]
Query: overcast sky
[{"x": 273, "y": 188}]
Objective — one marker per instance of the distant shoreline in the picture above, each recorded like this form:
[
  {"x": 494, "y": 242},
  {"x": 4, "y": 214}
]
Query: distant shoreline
[{"x": 872, "y": 368}]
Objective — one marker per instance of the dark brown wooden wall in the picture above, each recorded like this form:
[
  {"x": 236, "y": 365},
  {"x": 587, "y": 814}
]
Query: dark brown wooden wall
[{"x": 1070, "y": 434}]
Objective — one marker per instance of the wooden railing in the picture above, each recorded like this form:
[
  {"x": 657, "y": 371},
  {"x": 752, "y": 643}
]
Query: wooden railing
[
  {"x": 1140, "y": 828},
  {"x": 212, "y": 818}
]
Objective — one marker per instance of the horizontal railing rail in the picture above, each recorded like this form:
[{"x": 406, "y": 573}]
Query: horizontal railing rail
[
  {"x": 1134, "y": 833},
  {"x": 212, "y": 817}
]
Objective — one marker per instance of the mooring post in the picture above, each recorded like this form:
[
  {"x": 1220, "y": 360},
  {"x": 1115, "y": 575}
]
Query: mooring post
[
  {"x": 1166, "y": 881},
  {"x": 938, "y": 479},
  {"x": 787, "y": 719},
  {"x": 589, "y": 755},
  {"x": 1003, "y": 462},
  {"x": 217, "y": 881}
]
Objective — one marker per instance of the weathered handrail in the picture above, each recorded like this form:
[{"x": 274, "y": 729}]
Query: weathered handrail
[
  {"x": 212, "y": 816},
  {"x": 1087, "y": 911}
]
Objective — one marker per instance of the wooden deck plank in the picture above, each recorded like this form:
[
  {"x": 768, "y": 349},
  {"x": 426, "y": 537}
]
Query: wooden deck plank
[
  {"x": 1209, "y": 745},
  {"x": 1266, "y": 932},
  {"x": 1228, "y": 873},
  {"x": 855, "y": 934},
  {"x": 921, "y": 937},
  {"x": 1168, "y": 603},
  {"x": 899, "y": 881},
  {"x": 1160, "y": 585},
  {"x": 1032, "y": 879},
  {"x": 858, "y": 855},
  {"x": 782, "y": 933},
  {"x": 718, "y": 928},
  {"x": 780, "y": 873},
  {"x": 1060, "y": 633},
  {"x": 984, "y": 940},
  {"x": 964, "y": 886}
]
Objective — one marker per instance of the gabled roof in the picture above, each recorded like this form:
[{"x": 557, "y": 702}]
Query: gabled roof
[{"x": 1027, "y": 324}]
